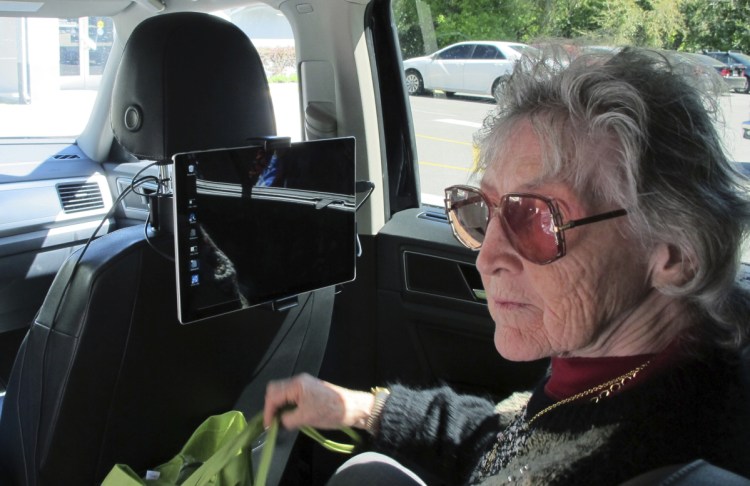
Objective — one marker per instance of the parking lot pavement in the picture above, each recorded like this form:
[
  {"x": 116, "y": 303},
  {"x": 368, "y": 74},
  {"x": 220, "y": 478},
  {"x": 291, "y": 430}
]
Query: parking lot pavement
[{"x": 736, "y": 109}]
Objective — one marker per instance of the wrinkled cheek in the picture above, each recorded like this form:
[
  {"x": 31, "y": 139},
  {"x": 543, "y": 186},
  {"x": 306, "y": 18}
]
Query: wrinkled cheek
[
  {"x": 573, "y": 323},
  {"x": 521, "y": 339}
]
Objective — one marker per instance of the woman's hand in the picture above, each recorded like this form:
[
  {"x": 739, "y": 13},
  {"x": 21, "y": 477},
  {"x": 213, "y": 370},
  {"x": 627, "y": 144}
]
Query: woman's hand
[{"x": 315, "y": 403}]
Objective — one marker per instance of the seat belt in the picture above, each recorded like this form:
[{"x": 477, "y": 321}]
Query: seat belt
[{"x": 298, "y": 347}]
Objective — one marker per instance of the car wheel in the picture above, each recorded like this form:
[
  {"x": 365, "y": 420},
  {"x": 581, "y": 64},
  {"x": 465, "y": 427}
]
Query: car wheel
[
  {"x": 499, "y": 87},
  {"x": 747, "y": 85},
  {"x": 414, "y": 83}
]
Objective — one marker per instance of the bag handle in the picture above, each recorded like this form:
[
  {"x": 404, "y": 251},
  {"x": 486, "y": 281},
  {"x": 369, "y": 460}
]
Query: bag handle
[
  {"x": 331, "y": 445},
  {"x": 231, "y": 449},
  {"x": 264, "y": 464},
  {"x": 252, "y": 431}
]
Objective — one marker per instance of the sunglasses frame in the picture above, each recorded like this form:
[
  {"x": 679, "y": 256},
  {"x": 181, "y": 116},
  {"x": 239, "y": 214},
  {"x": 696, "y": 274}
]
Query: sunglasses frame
[{"x": 496, "y": 209}]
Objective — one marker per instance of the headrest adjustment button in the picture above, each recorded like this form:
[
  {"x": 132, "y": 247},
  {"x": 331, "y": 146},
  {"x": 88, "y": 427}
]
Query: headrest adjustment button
[{"x": 133, "y": 118}]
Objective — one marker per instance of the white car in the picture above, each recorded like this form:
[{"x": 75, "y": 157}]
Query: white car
[{"x": 476, "y": 67}]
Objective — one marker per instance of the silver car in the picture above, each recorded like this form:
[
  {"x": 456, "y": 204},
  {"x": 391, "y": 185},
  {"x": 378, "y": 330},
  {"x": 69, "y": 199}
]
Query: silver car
[
  {"x": 476, "y": 67},
  {"x": 734, "y": 75}
]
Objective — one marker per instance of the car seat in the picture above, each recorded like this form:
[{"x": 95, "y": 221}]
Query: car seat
[{"x": 106, "y": 373}]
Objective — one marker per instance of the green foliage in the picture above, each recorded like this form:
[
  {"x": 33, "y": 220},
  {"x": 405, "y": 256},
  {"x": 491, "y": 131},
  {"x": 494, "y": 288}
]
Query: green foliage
[
  {"x": 653, "y": 23},
  {"x": 484, "y": 19},
  {"x": 717, "y": 25},
  {"x": 283, "y": 78},
  {"x": 409, "y": 32},
  {"x": 426, "y": 25},
  {"x": 574, "y": 18},
  {"x": 278, "y": 60}
]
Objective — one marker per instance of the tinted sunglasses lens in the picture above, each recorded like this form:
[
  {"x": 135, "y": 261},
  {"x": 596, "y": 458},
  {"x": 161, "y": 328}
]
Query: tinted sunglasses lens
[
  {"x": 530, "y": 226},
  {"x": 467, "y": 213}
]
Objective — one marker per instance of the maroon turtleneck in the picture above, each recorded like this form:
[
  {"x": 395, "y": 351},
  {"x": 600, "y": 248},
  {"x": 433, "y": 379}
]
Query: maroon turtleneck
[{"x": 575, "y": 375}]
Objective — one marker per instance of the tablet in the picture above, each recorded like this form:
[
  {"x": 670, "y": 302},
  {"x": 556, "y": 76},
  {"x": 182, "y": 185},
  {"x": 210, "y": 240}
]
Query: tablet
[{"x": 259, "y": 224}]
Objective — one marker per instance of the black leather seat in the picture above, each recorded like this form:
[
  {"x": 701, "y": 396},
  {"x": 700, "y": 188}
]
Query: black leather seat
[
  {"x": 106, "y": 373},
  {"x": 696, "y": 473}
]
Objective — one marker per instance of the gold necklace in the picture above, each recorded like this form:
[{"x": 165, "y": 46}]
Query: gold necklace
[{"x": 604, "y": 390}]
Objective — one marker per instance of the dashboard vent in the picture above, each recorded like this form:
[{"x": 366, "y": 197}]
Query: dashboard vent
[
  {"x": 80, "y": 196},
  {"x": 66, "y": 156}
]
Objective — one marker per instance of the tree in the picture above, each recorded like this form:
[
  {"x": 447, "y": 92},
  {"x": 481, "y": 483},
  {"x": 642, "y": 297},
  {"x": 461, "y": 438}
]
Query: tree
[
  {"x": 570, "y": 19},
  {"x": 669, "y": 24},
  {"x": 716, "y": 25},
  {"x": 648, "y": 23},
  {"x": 409, "y": 32}
]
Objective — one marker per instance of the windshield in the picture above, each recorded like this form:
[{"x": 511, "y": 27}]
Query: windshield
[
  {"x": 51, "y": 70},
  {"x": 49, "y": 67},
  {"x": 449, "y": 103}
]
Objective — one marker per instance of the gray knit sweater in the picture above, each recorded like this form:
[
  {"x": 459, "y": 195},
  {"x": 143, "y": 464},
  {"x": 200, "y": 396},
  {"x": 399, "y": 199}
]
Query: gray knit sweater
[{"x": 699, "y": 409}]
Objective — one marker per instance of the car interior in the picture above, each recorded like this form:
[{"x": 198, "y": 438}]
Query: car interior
[{"x": 96, "y": 367}]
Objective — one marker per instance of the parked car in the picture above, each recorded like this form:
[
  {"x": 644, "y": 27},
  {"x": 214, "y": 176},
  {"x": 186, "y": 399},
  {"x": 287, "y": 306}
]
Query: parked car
[
  {"x": 736, "y": 60},
  {"x": 733, "y": 75},
  {"x": 477, "y": 67}
]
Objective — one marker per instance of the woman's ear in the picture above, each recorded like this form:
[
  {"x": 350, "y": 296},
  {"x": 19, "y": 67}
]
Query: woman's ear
[{"x": 670, "y": 267}]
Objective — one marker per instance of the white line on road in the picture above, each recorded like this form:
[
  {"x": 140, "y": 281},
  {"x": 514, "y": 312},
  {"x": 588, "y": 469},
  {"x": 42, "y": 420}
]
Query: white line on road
[{"x": 464, "y": 123}]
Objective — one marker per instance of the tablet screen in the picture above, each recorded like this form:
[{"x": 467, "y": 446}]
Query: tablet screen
[{"x": 254, "y": 225}]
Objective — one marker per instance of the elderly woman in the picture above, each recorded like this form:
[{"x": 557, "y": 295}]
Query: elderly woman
[{"x": 609, "y": 225}]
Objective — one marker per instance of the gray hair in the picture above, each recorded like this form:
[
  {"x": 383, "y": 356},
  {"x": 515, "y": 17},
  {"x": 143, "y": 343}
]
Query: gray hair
[{"x": 668, "y": 165}]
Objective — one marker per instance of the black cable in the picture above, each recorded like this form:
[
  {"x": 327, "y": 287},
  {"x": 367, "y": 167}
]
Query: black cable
[
  {"x": 148, "y": 240},
  {"x": 107, "y": 216},
  {"x": 135, "y": 182},
  {"x": 159, "y": 186}
]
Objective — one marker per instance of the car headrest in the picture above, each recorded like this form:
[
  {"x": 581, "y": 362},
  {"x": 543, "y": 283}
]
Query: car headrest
[{"x": 189, "y": 81}]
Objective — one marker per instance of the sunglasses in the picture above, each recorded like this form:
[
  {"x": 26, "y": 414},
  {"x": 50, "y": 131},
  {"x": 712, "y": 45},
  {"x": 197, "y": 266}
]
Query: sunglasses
[{"x": 532, "y": 223}]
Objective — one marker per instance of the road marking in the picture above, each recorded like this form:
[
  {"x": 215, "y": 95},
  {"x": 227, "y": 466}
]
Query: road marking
[
  {"x": 446, "y": 166},
  {"x": 432, "y": 200},
  {"x": 438, "y": 139},
  {"x": 464, "y": 123}
]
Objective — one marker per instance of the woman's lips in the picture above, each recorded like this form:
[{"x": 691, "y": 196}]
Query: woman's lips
[
  {"x": 505, "y": 305},
  {"x": 508, "y": 305}
]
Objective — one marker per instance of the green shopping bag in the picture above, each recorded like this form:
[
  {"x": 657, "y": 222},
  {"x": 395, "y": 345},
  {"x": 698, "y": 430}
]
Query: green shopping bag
[{"x": 219, "y": 454}]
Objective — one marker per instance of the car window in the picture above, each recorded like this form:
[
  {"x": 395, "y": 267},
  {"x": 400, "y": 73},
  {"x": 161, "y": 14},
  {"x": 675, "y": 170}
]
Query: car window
[
  {"x": 721, "y": 57},
  {"x": 707, "y": 60},
  {"x": 445, "y": 121},
  {"x": 484, "y": 51},
  {"x": 51, "y": 69},
  {"x": 459, "y": 52},
  {"x": 743, "y": 58},
  {"x": 272, "y": 36}
]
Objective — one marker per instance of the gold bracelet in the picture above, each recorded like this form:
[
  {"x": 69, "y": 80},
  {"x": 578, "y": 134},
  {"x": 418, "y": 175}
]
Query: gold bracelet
[{"x": 381, "y": 395}]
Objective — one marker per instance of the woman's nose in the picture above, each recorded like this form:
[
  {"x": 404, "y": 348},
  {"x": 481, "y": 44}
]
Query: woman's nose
[{"x": 497, "y": 253}]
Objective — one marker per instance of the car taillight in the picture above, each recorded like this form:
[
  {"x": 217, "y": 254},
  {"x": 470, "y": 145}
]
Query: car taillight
[{"x": 726, "y": 71}]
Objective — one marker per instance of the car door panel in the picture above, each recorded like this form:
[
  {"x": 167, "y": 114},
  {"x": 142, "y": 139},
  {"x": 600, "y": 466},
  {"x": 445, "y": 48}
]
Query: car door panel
[
  {"x": 446, "y": 74},
  {"x": 480, "y": 74},
  {"x": 433, "y": 324}
]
